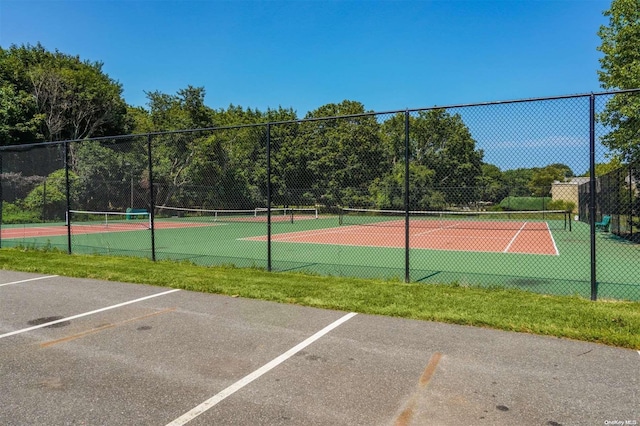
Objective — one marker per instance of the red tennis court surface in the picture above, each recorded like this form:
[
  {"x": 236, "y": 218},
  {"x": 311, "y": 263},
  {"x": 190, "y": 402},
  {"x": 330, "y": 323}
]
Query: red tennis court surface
[
  {"x": 527, "y": 238},
  {"x": 59, "y": 230},
  {"x": 79, "y": 228}
]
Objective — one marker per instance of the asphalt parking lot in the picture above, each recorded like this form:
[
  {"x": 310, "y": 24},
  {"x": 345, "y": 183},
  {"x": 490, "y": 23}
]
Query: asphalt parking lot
[{"x": 87, "y": 352}]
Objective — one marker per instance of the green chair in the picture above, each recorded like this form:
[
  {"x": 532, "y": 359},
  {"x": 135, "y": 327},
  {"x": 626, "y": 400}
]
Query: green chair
[{"x": 604, "y": 225}]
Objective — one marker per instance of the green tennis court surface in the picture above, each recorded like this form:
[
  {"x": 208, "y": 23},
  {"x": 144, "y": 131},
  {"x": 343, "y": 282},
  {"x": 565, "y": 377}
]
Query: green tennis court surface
[{"x": 242, "y": 242}]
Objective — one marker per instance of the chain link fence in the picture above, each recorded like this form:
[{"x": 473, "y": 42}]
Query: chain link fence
[{"x": 502, "y": 194}]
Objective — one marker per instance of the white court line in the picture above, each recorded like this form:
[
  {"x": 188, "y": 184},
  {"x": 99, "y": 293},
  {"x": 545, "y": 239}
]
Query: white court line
[
  {"x": 35, "y": 327},
  {"x": 514, "y": 238},
  {"x": 30, "y": 279},
  {"x": 432, "y": 230},
  {"x": 209, "y": 403},
  {"x": 555, "y": 247}
]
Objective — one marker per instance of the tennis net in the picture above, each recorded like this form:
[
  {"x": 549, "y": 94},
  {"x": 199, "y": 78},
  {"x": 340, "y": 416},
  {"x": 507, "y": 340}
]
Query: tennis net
[
  {"x": 109, "y": 220},
  {"x": 508, "y": 220},
  {"x": 259, "y": 214}
]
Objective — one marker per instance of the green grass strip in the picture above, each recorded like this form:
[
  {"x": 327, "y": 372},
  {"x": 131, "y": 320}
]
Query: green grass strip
[{"x": 615, "y": 323}]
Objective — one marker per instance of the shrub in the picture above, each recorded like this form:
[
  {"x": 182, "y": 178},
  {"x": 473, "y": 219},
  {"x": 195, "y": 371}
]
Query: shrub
[
  {"x": 525, "y": 203},
  {"x": 13, "y": 213}
]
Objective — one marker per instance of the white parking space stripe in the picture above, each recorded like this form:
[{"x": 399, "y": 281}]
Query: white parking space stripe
[
  {"x": 35, "y": 327},
  {"x": 30, "y": 279},
  {"x": 211, "y": 402}
]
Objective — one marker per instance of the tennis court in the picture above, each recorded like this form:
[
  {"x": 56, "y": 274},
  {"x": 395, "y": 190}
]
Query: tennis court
[
  {"x": 516, "y": 250},
  {"x": 437, "y": 231}
]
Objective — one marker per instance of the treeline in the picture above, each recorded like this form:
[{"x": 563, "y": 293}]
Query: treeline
[{"x": 356, "y": 161}]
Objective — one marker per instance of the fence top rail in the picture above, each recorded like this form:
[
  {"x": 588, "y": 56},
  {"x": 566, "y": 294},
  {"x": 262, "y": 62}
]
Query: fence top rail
[{"x": 25, "y": 147}]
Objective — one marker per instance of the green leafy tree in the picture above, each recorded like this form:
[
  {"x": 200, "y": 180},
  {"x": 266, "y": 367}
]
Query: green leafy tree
[
  {"x": 50, "y": 197},
  {"x": 517, "y": 181},
  {"x": 604, "y": 168},
  {"x": 54, "y": 96},
  {"x": 19, "y": 122},
  {"x": 543, "y": 178},
  {"x": 173, "y": 153},
  {"x": 492, "y": 186},
  {"x": 621, "y": 70},
  {"x": 443, "y": 143},
  {"x": 445, "y": 166},
  {"x": 335, "y": 159},
  {"x": 388, "y": 192},
  {"x": 110, "y": 173}
]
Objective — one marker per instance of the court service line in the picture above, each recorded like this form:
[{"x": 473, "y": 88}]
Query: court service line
[
  {"x": 119, "y": 305},
  {"x": 30, "y": 279},
  {"x": 211, "y": 402},
  {"x": 307, "y": 234},
  {"x": 432, "y": 230},
  {"x": 553, "y": 241},
  {"x": 506, "y": 250}
]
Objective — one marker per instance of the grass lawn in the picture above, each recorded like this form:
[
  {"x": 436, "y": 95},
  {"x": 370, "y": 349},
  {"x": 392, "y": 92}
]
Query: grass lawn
[{"x": 615, "y": 323}]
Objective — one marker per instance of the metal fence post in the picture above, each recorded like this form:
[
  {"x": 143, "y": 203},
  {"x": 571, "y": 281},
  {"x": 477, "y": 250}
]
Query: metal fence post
[
  {"x": 152, "y": 200},
  {"x": 269, "y": 197},
  {"x": 630, "y": 218},
  {"x": 68, "y": 194},
  {"x": 592, "y": 194},
  {"x": 407, "y": 246},
  {"x": 1, "y": 198}
]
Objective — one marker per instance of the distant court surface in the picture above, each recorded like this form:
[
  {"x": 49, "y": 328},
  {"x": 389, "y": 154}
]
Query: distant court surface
[
  {"x": 514, "y": 232},
  {"x": 513, "y": 250},
  {"x": 44, "y": 230},
  {"x": 525, "y": 237}
]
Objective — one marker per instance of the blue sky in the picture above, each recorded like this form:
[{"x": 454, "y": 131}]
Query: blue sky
[
  {"x": 389, "y": 55},
  {"x": 303, "y": 54}
]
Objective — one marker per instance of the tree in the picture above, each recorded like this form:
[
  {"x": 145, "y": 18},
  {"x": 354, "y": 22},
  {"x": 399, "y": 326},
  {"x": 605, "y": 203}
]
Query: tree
[
  {"x": 50, "y": 197},
  {"x": 604, "y": 168},
  {"x": 443, "y": 143},
  {"x": 54, "y": 96},
  {"x": 543, "y": 178},
  {"x": 621, "y": 70},
  {"x": 19, "y": 119},
  {"x": 173, "y": 153},
  {"x": 387, "y": 192},
  {"x": 335, "y": 159},
  {"x": 517, "y": 181},
  {"x": 492, "y": 184}
]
